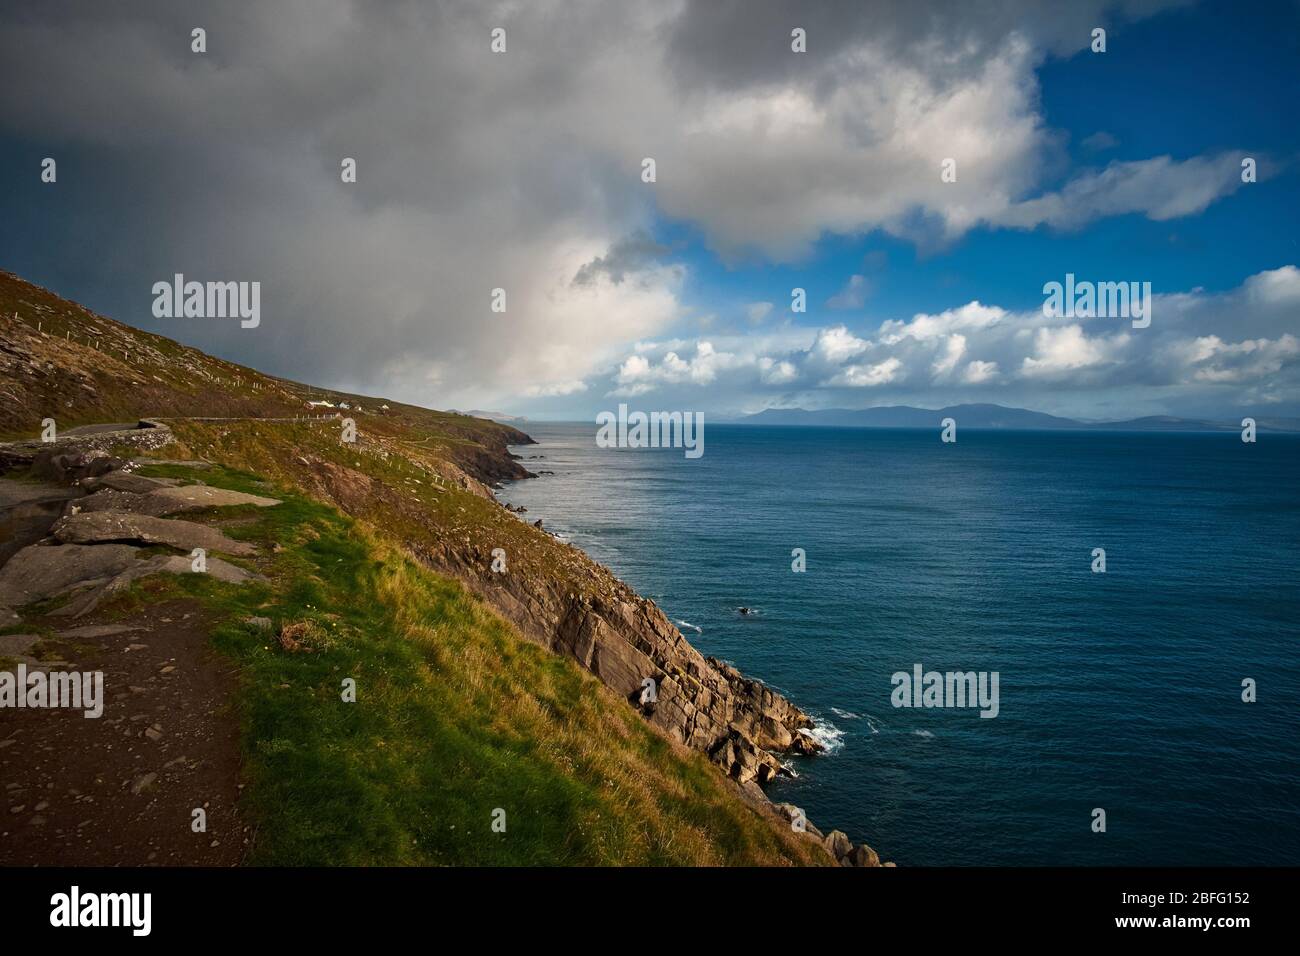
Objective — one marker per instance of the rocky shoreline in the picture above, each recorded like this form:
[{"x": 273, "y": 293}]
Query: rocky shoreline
[{"x": 624, "y": 638}]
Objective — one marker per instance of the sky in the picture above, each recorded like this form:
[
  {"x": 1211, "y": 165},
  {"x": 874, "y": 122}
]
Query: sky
[{"x": 774, "y": 170}]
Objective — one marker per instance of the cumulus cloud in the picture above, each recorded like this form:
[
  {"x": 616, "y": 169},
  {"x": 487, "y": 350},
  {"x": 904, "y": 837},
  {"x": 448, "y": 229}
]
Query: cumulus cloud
[
  {"x": 1065, "y": 349},
  {"x": 866, "y": 376},
  {"x": 982, "y": 352},
  {"x": 922, "y": 327},
  {"x": 837, "y": 344}
]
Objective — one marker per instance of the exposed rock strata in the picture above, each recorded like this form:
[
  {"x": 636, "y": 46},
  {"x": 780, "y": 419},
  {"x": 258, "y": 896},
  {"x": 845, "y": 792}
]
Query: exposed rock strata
[{"x": 104, "y": 526}]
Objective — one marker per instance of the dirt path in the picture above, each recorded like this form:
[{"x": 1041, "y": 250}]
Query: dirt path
[{"x": 120, "y": 790}]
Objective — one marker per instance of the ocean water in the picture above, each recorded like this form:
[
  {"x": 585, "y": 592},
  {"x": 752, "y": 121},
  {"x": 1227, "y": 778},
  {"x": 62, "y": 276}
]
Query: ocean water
[{"x": 1119, "y": 691}]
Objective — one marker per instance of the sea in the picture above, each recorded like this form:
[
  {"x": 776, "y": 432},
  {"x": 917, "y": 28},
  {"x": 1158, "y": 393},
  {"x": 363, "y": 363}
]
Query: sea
[{"x": 1122, "y": 734}]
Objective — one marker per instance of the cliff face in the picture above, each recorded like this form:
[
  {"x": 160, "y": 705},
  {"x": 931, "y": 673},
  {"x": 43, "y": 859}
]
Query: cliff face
[
  {"x": 559, "y": 598},
  {"x": 624, "y": 639}
]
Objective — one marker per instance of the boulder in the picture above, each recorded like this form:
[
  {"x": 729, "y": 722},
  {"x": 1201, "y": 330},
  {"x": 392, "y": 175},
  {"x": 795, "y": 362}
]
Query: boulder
[
  {"x": 862, "y": 855},
  {"x": 39, "y": 571},
  {"x": 159, "y": 564},
  {"x": 63, "y": 466},
  {"x": 125, "y": 481},
  {"x": 102, "y": 526},
  {"x": 167, "y": 500},
  {"x": 744, "y": 761},
  {"x": 124, "y": 501},
  {"x": 194, "y": 497},
  {"x": 838, "y": 844},
  {"x": 802, "y": 743}
]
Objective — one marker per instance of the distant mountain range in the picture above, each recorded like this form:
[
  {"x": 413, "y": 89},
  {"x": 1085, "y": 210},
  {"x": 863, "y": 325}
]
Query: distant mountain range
[{"x": 991, "y": 416}]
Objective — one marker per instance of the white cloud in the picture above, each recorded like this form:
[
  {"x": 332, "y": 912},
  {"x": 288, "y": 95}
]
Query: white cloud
[
  {"x": 1217, "y": 348},
  {"x": 836, "y": 344},
  {"x": 777, "y": 373},
  {"x": 1214, "y": 361},
  {"x": 978, "y": 372},
  {"x": 922, "y": 327},
  {"x": 1160, "y": 188},
  {"x": 1063, "y": 349},
  {"x": 1275, "y": 287},
  {"x": 953, "y": 349},
  {"x": 865, "y": 376}
]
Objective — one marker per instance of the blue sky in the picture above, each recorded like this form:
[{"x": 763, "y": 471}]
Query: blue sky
[{"x": 775, "y": 170}]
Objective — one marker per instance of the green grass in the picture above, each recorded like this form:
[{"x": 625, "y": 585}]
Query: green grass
[{"x": 456, "y": 716}]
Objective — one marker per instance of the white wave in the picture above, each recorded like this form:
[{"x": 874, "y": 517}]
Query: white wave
[
  {"x": 846, "y": 714},
  {"x": 694, "y": 627},
  {"x": 873, "y": 724},
  {"x": 825, "y": 733},
  {"x": 923, "y": 733}
]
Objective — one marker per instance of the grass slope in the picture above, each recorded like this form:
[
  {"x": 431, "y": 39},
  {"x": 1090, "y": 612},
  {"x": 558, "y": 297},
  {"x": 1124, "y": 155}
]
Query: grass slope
[{"x": 455, "y": 717}]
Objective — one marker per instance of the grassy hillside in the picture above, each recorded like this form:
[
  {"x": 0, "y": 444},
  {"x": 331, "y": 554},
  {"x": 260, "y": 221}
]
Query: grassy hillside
[{"x": 455, "y": 717}]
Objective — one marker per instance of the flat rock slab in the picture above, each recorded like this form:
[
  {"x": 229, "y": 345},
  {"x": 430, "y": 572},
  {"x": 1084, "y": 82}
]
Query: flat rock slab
[
  {"x": 190, "y": 497},
  {"x": 167, "y": 501},
  {"x": 160, "y": 564},
  {"x": 181, "y": 462},
  {"x": 101, "y": 526},
  {"x": 124, "y": 501},
  {"x": 40, "y": 571},
  {"x": 125, "y": 481}
]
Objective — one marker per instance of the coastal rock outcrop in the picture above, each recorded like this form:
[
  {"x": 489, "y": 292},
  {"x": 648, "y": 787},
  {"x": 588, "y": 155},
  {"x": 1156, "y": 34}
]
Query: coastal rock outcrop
[
  {"x": 90, "y": 527},
  {"x": 625, "y": 640}
]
